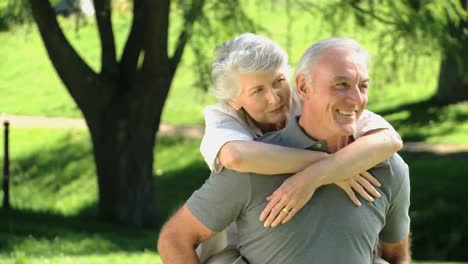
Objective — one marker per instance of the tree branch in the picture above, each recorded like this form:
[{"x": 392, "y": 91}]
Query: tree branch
[
  {"x": 106, "y": 35},
  {"x": 371, "y": 13},
  {"x": 78, "y": 77},
  {"x": 186, "y": 33},
  {"x": 134, "y": 44}
]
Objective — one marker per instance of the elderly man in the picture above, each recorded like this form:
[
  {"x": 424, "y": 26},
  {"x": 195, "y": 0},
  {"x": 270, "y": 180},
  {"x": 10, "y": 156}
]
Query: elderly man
[{"x": 332, "y": 82}]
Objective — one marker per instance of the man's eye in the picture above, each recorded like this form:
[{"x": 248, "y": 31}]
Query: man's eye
[
  {"x": 342, "y": 85},
  {"x": 364, "y": 86}
]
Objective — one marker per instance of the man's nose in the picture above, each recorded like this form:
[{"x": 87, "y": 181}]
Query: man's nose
[
  {"x": 355, "y": 95},
  {"x": 273, "y": 96}
]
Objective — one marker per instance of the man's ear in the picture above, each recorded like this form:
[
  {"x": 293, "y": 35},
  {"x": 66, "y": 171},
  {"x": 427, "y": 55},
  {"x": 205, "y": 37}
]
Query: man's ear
[
  {"x": 234, "y": 105},
  {"x": 301, "y": 86}
]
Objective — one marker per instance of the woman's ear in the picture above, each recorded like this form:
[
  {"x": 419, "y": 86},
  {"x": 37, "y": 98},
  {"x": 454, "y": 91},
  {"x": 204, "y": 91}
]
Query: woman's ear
[
  {"x": 301, "y": 86},
  {"x": 234, "y": 105}
]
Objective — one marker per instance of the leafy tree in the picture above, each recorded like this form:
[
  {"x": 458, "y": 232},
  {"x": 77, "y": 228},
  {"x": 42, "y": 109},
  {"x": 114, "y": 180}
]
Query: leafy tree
[
  {"x": 123, "y": 101},
  {"x": 425, "y": 26}
]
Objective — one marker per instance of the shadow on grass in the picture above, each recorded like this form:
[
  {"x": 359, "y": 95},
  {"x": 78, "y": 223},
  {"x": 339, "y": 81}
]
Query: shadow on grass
[
  {"x": 423, "y": 114},
  {"x": 44, "y": 177},
  {"x": 175, "y": 187},
  {"x": 439, "y": 206}
]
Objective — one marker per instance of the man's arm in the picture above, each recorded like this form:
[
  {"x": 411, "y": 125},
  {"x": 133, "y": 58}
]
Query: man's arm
[
  {"x": 180, "y": 236},
  {"x": 396, "y": 253}
]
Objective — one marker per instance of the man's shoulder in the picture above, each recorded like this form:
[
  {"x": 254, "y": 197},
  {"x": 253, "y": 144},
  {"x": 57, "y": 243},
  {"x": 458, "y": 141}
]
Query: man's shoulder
[
  {"x": 398, "y": 165},
  {"x": 393, "y": 171},
  {"x": 229, "y": 177}
]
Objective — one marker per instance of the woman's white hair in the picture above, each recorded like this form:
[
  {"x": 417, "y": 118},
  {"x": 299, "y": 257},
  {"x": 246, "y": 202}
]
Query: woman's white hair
[
  {"x": 311, "y": 55},
  {"x": 247, "y": 53}
]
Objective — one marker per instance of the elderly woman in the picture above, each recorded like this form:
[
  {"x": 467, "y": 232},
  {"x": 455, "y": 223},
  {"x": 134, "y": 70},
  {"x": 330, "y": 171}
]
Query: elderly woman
[{"x": 250, "y": 80}]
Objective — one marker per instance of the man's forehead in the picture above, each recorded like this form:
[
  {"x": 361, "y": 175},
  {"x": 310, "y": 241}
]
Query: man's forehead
[{"x": 340, "y": 60}]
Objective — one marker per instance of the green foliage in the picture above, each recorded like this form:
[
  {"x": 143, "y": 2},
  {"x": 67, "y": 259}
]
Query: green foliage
[
  {"x": 14, "y": 12},
  {"x": 422, "y": 26},
  {"x": 32, "y": 87}
]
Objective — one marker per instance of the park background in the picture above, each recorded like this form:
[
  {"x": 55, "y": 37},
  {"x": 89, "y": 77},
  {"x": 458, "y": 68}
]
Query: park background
[{"x": 53, "y": 183}]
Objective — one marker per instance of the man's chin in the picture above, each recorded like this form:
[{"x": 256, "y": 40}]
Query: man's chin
[{"x": 347, "y": 130}]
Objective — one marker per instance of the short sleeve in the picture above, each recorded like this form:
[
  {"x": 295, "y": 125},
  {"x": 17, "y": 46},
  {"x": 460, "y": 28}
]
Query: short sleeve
[
  {"x": 370, "y": 121},
  {"x": 220, "y": 128},
  {"x": 221, "y": 200},
  {"x": 397, "y": 220}
]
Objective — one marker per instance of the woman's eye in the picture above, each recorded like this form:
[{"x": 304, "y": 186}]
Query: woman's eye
[
  {"x": 257, "y": 90},
  {"x": 279, "y": 82}
]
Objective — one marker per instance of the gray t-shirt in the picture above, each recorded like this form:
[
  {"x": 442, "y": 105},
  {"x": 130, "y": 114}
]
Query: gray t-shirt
[{"x": 328, "y": 229}]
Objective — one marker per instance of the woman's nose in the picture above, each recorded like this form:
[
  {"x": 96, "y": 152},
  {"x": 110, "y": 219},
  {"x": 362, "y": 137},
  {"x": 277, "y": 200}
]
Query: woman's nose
[{"x": 273, "y": 96}]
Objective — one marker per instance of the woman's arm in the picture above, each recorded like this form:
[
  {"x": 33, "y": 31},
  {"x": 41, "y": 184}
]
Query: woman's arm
[{"x": 263, "y": 158}]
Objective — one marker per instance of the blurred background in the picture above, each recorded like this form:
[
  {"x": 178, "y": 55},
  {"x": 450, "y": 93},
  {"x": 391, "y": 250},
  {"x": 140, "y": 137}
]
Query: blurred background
[{"x": 104, "y": 102}]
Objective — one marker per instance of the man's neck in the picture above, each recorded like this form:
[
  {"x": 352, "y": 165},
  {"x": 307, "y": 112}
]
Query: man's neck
[{"x": 313, "y": 130}]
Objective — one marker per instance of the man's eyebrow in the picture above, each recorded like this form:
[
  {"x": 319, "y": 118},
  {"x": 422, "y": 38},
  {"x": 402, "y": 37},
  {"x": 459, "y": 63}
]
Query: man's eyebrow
[{"x": 340, "y": 78}]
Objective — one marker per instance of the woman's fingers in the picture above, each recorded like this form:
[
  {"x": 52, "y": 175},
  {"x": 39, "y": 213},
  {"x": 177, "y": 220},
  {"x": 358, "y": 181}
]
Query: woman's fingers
[
  {"x": 370, "y": 178},
  {"x": 274, "y": 199},
  {"x": 286, "y": 212},
  {"x": 359, "y": 189},
  {"x": 292, "y": 212},
  {"x": 276, "y": 213},
  {"x": 347, "y": 188},
  {"x": 367, "y": 186}
]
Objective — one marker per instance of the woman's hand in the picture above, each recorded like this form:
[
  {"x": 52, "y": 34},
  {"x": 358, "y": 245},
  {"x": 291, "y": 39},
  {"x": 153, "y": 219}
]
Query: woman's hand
[
  {"x": 287, "y": 200},
  {"x": 295, "y": 191},
  {"x": 362, "y": 184}
]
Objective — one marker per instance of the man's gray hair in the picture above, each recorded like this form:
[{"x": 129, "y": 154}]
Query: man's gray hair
[
  {"x": 311, "y": 55},
  {"x": 247, "y": 53}
]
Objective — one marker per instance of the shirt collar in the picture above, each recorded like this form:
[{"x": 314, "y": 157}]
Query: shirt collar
[{"x": 296, "y": 137}]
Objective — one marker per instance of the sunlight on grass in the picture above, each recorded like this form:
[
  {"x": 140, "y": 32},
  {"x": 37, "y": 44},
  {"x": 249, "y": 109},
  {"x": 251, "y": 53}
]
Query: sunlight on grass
[{"x": 116, "y": 258}]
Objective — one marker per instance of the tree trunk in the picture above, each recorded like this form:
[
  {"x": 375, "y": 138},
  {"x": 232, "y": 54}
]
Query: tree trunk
[
  {"x": 453, "y": 82},
  {"x": 453, "y": 85},
  {"x": 123, "y": 137}
]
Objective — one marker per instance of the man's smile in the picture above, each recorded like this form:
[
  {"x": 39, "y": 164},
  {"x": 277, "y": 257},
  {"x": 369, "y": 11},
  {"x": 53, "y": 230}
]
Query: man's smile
[{"x": 346, "y": 113}]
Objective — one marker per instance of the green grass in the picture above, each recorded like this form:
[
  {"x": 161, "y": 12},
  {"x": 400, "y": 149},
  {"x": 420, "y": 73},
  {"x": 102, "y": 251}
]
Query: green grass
[
  {"x": 53, "y": 193},
  {"x": 399, "y": 91}
]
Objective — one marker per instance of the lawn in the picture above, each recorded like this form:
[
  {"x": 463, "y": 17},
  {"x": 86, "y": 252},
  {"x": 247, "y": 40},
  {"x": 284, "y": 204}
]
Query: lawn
[{"x": 53, "y": 193}]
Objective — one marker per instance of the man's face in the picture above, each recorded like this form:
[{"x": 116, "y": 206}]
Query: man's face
[{"x": 337, "y": 94}]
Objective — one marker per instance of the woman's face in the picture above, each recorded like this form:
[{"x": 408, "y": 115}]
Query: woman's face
[{"x": 266, "y": 97}]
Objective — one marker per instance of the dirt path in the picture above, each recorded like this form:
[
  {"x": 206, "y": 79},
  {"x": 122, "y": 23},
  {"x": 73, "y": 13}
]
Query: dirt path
[{"x": 196, "y": 131}]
